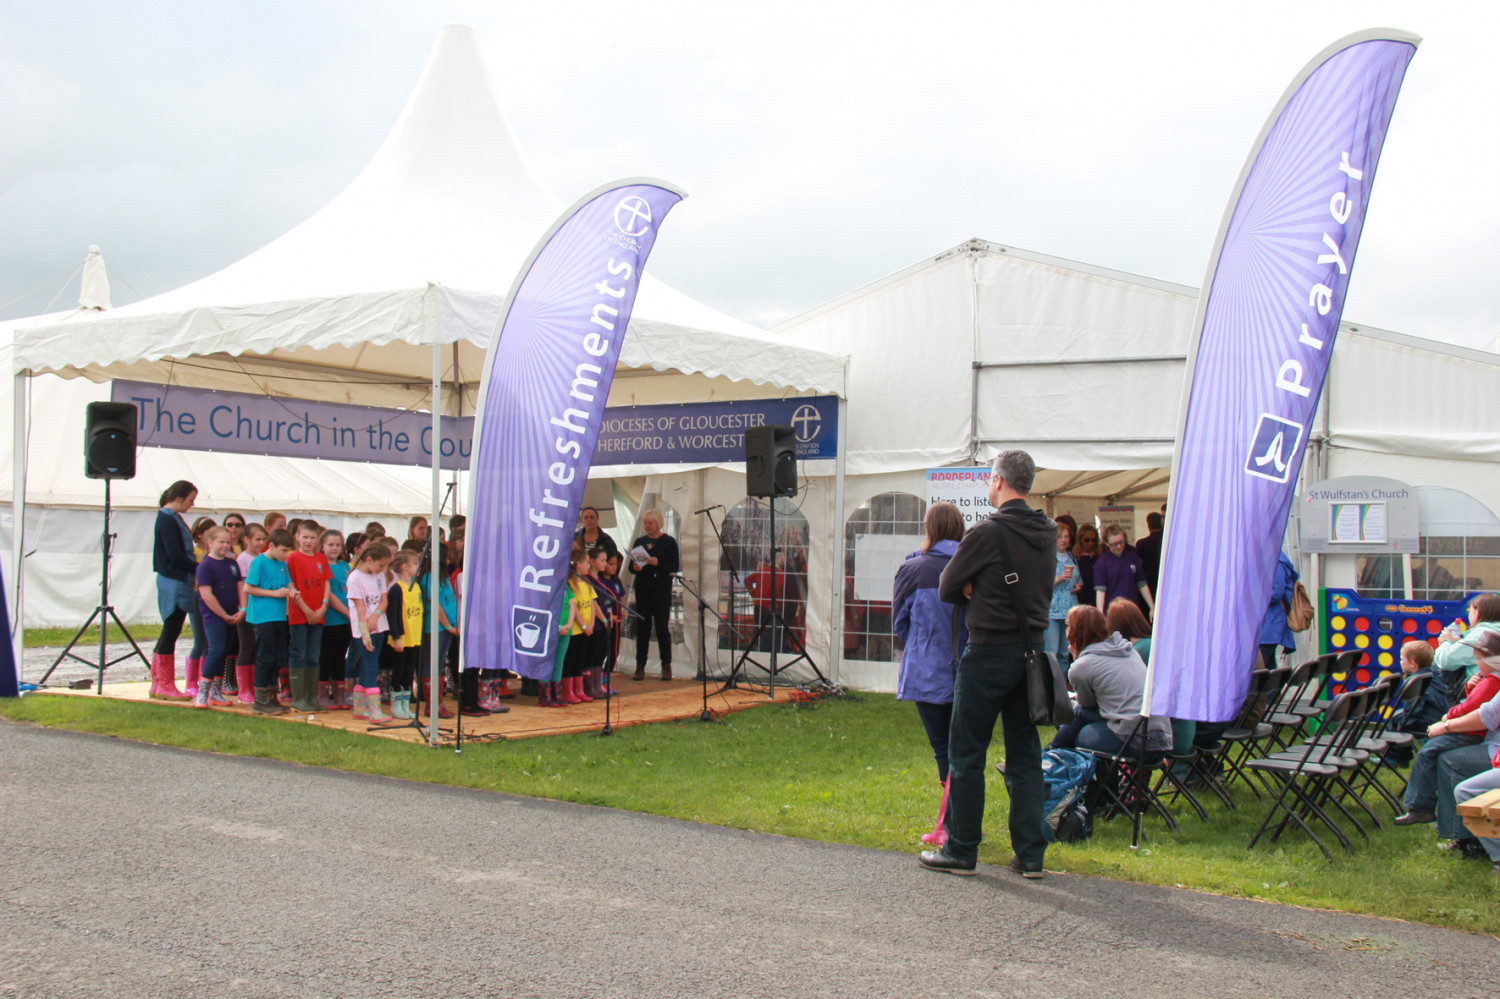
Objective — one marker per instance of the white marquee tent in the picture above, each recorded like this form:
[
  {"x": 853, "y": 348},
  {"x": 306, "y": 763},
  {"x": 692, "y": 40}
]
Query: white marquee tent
[
  {"x": 985, "y": 347},
  {"x": 387, "y": 296}
]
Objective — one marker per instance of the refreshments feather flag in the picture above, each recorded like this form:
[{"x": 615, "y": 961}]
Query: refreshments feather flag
[
  {"x": 541, "y": 401},
  {"x": 1267, "y": 319}
]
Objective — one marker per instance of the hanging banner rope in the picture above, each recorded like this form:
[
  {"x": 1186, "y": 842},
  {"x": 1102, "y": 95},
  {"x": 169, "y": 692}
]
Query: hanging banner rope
[
  {"x": 1267, "y": 319},
  {"x": 541, "y": 403}
]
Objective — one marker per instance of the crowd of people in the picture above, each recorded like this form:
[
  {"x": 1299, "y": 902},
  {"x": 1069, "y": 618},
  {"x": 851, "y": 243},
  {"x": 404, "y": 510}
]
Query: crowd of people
[
  {"x": 970, "y": 606},
  {"x": 290, "y": 615}
]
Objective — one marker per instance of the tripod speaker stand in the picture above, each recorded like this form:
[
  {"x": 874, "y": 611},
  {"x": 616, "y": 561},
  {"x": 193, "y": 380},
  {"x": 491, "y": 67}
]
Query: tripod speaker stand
[{"x": 109, "y": 453}]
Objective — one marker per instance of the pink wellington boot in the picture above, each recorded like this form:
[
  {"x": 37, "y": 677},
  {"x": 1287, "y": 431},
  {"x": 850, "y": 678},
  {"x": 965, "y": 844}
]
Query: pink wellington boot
[
  {"x": 245, "y": 677},
  {"x": 569, "y": 691},
  {"x": 581, "y": 691},
  {"x": 194, "y": 670},
  {"x": 164, "y": 679},
  {"x": 939, "y": 834}
]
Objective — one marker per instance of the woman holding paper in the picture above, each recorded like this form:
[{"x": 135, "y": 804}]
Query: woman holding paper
[{"x": 654, "y": 561}]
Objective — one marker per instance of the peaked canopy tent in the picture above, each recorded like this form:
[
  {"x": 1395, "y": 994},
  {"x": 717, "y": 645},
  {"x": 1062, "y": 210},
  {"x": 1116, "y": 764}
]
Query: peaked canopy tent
[
  {"x": 388, "y": 295},
  {"x": 985, "y": 347}
]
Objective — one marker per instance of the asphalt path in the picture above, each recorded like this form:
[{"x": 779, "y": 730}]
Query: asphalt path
[{"x": 142, "y": 871}]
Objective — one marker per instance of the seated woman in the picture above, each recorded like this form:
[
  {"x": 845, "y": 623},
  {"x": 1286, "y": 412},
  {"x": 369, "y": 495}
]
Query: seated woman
[
  {"x": 1454, "y": 661},
  {"x": 1109, "y": 678}
]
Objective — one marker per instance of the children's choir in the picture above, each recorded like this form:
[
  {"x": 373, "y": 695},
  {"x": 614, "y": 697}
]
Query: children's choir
[{"x": 286, "y": 615}]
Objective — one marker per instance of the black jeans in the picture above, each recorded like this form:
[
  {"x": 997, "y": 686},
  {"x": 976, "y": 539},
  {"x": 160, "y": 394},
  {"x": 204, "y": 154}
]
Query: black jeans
[
  {"x": 655, "y": 608},
  {"x": 990, "y": 683},
  {"x": 937, "y": 719}
]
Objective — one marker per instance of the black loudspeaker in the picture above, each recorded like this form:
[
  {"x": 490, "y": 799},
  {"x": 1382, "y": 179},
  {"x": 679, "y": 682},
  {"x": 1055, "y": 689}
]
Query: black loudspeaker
[
  {"x": 109, "y": 440},
  {"x": 770, "y": 461}
]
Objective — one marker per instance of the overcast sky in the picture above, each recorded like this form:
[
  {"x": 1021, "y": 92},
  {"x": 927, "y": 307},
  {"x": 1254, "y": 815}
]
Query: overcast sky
[{"x": 822, "y": 145}]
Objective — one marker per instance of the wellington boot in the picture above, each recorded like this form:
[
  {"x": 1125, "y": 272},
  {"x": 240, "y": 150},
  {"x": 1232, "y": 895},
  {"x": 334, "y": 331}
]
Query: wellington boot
[
  {"x": 266, "y": 703},
  {"x": 245, "y": 677},
  {"x": 361, "y": 705},
  {"x": 401, "y": 705},
  {"x": 565, "y": 692},
  {"x": 548, "y": 696},
  {"x": 372, "y": 707},
  {"x": 503, "y": 691},
  {"x": 340, "y": 696},
  {"x": 530, "y": 687},
  {"x": 164, "y": 679},
  {"x": 284, "y": 686},
  {"x": 229, "y": 681},
  {"x": 581, "y": 690},
  {"x": 326, "y": 701},
  {"x": 305, "y": 691},
  {"x": 216, "y": 696},
  {"x": 194, "y": 669}
]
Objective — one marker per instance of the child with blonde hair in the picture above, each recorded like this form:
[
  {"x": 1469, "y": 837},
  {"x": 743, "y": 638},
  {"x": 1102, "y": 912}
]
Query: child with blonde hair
[{"x": 368, "y": 627}]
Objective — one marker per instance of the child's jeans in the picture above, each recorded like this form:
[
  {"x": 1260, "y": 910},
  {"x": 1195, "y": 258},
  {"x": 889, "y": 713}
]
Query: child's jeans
[
  {"x": 217, "y": 630},
  {"x": 369, "y": 659},
  {"x": 270, "y": 652},
  {"x": 306, "y": 645}
]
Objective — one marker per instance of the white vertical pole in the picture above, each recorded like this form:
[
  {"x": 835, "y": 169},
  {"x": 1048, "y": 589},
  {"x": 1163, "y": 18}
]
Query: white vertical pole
[
  {"x": 18, "y": 514},
  {"x": 836, "y": 604},
  {"x": 434, "y": 583}
]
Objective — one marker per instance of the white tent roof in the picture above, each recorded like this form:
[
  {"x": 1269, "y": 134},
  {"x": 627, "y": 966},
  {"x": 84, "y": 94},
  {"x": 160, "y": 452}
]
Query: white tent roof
[
  {"x": 420, "y": 249},
  {"x": 997, "y": 347}
]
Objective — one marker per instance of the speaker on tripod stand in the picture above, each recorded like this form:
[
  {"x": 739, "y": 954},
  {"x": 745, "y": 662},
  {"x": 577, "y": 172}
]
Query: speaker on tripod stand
[
  {"x": 108, "y": 454},
  {"x": 771, "y": 473}
]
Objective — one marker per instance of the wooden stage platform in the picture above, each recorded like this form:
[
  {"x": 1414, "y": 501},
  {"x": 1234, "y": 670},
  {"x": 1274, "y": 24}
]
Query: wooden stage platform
[{"x": 639, "y": 703}]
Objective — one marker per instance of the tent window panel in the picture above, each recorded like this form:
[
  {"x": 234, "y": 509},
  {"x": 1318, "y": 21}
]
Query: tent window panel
[
  {"x": 1380, "y": 577},
  {"x": 877, "y": 537},
  {"x": 745, "y": 571}
]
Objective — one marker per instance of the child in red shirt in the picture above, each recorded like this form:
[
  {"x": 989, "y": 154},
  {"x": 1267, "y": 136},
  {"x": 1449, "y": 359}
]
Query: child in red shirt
[{"x": 309, "y": 572}]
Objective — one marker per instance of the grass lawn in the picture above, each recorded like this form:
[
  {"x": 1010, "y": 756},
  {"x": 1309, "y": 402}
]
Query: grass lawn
[
  {"x": 58, "y": 637},
  {"x": 845, "y": 771}
]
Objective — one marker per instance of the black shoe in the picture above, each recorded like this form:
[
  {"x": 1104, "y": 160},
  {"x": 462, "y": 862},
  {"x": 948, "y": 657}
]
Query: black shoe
[
  {"x": 1416, "y": 817},
  {"x": 1032, "y": 872},
  {"x": 939, "y": 860}
]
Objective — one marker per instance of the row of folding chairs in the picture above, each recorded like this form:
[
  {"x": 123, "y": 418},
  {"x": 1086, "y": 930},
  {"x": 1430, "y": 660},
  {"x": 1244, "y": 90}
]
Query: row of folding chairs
[
  {"x": 1289, "y": 715},
  {"x": 1338, "y": 771}
]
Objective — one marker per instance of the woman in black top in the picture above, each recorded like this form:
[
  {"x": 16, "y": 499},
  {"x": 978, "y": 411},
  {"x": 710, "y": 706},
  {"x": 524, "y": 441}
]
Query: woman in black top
[
  {"x": 176, "y": 595},
  {"x": 653, "y": 593}
]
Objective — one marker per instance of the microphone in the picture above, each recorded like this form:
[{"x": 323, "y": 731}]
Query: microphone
[{"x": 716, "y": 506}]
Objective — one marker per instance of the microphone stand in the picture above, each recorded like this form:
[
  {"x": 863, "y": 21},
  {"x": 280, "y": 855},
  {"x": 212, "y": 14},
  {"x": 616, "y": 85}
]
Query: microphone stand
[
  {"x": 703, "y": 607},
  {"x": 734, "y": 577},
  {"x": 609, "y": 677}
]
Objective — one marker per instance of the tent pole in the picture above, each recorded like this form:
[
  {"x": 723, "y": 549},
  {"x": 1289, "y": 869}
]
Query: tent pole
[
  {"x": 18, "y": 514},
  {"x": 836, "y": 602},
  {"x": 434, "y": 527}
]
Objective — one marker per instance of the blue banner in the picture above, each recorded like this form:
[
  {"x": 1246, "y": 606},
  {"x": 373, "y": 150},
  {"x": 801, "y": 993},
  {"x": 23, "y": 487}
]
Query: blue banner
[
  {"x": 1267, "y": 319},
  {"x": 541, "y": 404},
  {"x": 190, "y": 419},
  {"x": 714, "y": 431}
]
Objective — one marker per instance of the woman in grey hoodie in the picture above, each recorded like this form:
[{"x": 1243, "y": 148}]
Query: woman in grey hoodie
[{"x": 1109, "y": 678}]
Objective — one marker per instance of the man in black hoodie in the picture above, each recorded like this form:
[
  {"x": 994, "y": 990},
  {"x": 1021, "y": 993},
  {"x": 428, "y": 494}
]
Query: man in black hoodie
[{"x": 1003, "y": 572}]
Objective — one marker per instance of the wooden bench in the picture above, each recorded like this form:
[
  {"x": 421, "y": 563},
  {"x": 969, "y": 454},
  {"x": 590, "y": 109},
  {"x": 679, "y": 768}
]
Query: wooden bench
[{"x": 1482, "y": 814}]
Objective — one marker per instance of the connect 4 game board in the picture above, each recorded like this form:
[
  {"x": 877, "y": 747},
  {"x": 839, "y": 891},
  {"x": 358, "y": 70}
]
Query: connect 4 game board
[{"x": 1378, "y": 628}]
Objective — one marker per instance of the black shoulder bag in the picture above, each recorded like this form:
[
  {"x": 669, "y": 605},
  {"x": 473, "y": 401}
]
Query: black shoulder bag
[{"x": 1046, "y": 689}]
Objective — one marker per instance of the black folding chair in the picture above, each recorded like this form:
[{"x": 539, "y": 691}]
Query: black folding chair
[
  {"x": 1299, "y": 785},
  {"x": 1319, "y": 773},
  {"x": 1245, "y": 738},
  {"x": 1122, "y": 781}
]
